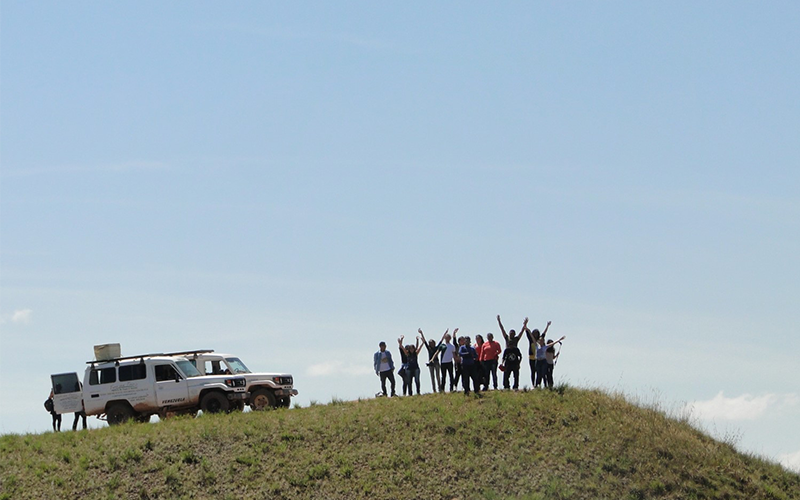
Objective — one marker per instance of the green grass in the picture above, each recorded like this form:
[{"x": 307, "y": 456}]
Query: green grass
[{"x": 569, "y": 443}]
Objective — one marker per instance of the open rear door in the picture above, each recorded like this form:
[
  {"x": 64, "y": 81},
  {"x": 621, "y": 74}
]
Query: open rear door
[{"x": 67, "y": 393}]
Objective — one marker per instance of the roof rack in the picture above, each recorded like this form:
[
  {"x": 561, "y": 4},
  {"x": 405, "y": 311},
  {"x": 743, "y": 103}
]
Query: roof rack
[
  {"x": 184, "y": 353},
  {"x": 142, "y": 356}
]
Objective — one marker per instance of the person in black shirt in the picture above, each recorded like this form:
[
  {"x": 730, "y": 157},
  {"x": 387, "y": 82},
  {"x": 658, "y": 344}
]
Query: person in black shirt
[
  {"x": 433, "y": 359},
  {"x": 49, "y": 406}
]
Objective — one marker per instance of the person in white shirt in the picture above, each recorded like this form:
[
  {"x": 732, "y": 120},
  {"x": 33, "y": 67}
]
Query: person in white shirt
[
  {"x": 448, "y": 351},
  {"x": 384, "y": 367}
]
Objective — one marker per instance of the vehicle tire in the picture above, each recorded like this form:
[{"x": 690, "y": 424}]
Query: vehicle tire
[
  {"x": 237, "y": 406},
  {"x": 261, "y": 399},
  {"x": 118, "y": 413},
  {"x": 143, "y": 419},
  {"x": 285, "y": 402},
  {"x": 214, "y": 402}
]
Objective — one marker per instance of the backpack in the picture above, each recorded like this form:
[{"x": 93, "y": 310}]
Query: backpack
[
  {"x": 512, "y": 358},
  {"x": 48, "y": 405}
]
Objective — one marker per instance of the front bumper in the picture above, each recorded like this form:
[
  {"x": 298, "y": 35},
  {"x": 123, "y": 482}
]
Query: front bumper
[
  {"x": 286, "y": 392},
  {"x": 234, "y": 396}
]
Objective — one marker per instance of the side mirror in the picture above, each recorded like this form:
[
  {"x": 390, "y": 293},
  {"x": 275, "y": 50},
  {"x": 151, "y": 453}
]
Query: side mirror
[{"x": 177, "y": 377}]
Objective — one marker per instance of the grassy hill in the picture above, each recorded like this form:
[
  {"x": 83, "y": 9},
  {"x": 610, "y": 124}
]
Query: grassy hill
[{"x": 569, "y": 443}]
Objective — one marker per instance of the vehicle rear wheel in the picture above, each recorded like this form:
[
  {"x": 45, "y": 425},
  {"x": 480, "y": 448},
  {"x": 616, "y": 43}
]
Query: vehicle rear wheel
[
  {"x": 261, "y": 399},
  {"x": 118, "y": 413},
  {"x": 214, "y": 402},
  {"x": 143, "y": 419}
]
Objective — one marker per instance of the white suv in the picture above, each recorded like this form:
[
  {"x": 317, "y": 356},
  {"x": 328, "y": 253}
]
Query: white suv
[
  {"x": 266, "y": 389},
  {"x": 145, "y": 385}
]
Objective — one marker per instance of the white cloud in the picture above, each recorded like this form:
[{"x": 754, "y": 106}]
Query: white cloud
[
  {"x": 791, "y": 461},
  {"x": 22, "y": 316},
  {"x": 335, "y": 368},
  {"x": 744, "y": 407}
]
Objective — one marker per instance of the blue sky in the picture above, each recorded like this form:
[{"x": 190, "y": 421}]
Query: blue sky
[{"x": 294, "y": 183}]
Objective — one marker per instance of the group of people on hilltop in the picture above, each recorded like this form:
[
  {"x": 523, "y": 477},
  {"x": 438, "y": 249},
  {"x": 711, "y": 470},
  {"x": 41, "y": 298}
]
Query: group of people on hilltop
[{"x": 474, "y": 365}]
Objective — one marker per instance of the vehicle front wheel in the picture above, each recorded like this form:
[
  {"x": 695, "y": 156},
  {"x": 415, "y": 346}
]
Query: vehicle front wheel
[
  {"x": 261, "y": 399},
  {"x": 118, "y": 413},
  {"x": 214, "y": 402}
]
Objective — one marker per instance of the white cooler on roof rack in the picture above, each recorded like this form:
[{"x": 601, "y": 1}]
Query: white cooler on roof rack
[{"x": 105, "y": 352}]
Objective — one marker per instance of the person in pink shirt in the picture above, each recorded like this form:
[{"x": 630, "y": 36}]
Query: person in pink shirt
[{"x": 489, "y": 356}]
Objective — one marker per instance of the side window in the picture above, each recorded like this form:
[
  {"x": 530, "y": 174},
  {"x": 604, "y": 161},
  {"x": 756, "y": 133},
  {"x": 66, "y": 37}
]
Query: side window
[
  {"x": 108, "y": 375},
  {"x": 213, "y": 368},
  {"x": 132, "y": 372},
  {"x": 65, "y": 383},
  {"x": 165, "y": 372},
  {"x": 105, "y": 376}
]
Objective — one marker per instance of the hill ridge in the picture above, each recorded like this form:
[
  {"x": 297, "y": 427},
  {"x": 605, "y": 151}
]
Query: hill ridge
[{"x": 567, "y": 443}]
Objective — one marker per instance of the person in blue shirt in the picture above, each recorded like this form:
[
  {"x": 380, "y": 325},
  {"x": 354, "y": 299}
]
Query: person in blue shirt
[
  {"x": 469, "y": 360},
  {"x": 384, "y": 367},
  {"x": 541, "y": 358}
]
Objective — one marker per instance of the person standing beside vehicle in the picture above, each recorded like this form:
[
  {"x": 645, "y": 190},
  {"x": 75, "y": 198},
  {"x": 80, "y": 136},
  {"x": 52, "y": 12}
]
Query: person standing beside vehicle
[{"x": 50, "y": 407}]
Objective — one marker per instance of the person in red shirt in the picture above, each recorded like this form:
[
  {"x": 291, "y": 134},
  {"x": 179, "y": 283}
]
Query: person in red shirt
[{"x": 490, "y": 353}]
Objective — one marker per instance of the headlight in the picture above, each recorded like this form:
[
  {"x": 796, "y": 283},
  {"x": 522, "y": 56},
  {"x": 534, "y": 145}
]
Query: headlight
[{"x": 235, "y": 382}]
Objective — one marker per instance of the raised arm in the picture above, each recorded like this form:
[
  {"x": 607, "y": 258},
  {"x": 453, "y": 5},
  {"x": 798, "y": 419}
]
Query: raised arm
[
  {"x": 502, "y": 330},
  {"x": 423, "y": 336},
  {"x": 525, "y": 329},
  {"x": 444, "y": 335},
  {"x": 545, "y": 328}
]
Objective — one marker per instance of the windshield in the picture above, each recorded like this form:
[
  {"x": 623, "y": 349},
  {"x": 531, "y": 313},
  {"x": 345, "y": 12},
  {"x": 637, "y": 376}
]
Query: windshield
[
  {"x": 236, "y": 365},
  {"x": 187, "y": 368}
]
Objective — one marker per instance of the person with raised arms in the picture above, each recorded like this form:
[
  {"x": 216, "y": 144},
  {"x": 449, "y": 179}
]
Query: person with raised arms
[
  {"x": 551, "y": 357},
  {"x": 541, "y": 358},
  {"x": 511, "y": 338},
  {"x": 448, "y": 352},
  {"x": 533, "y": 357},
  {"x": 433, "y": 363},
  {"x": 410, "y": 354}
]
